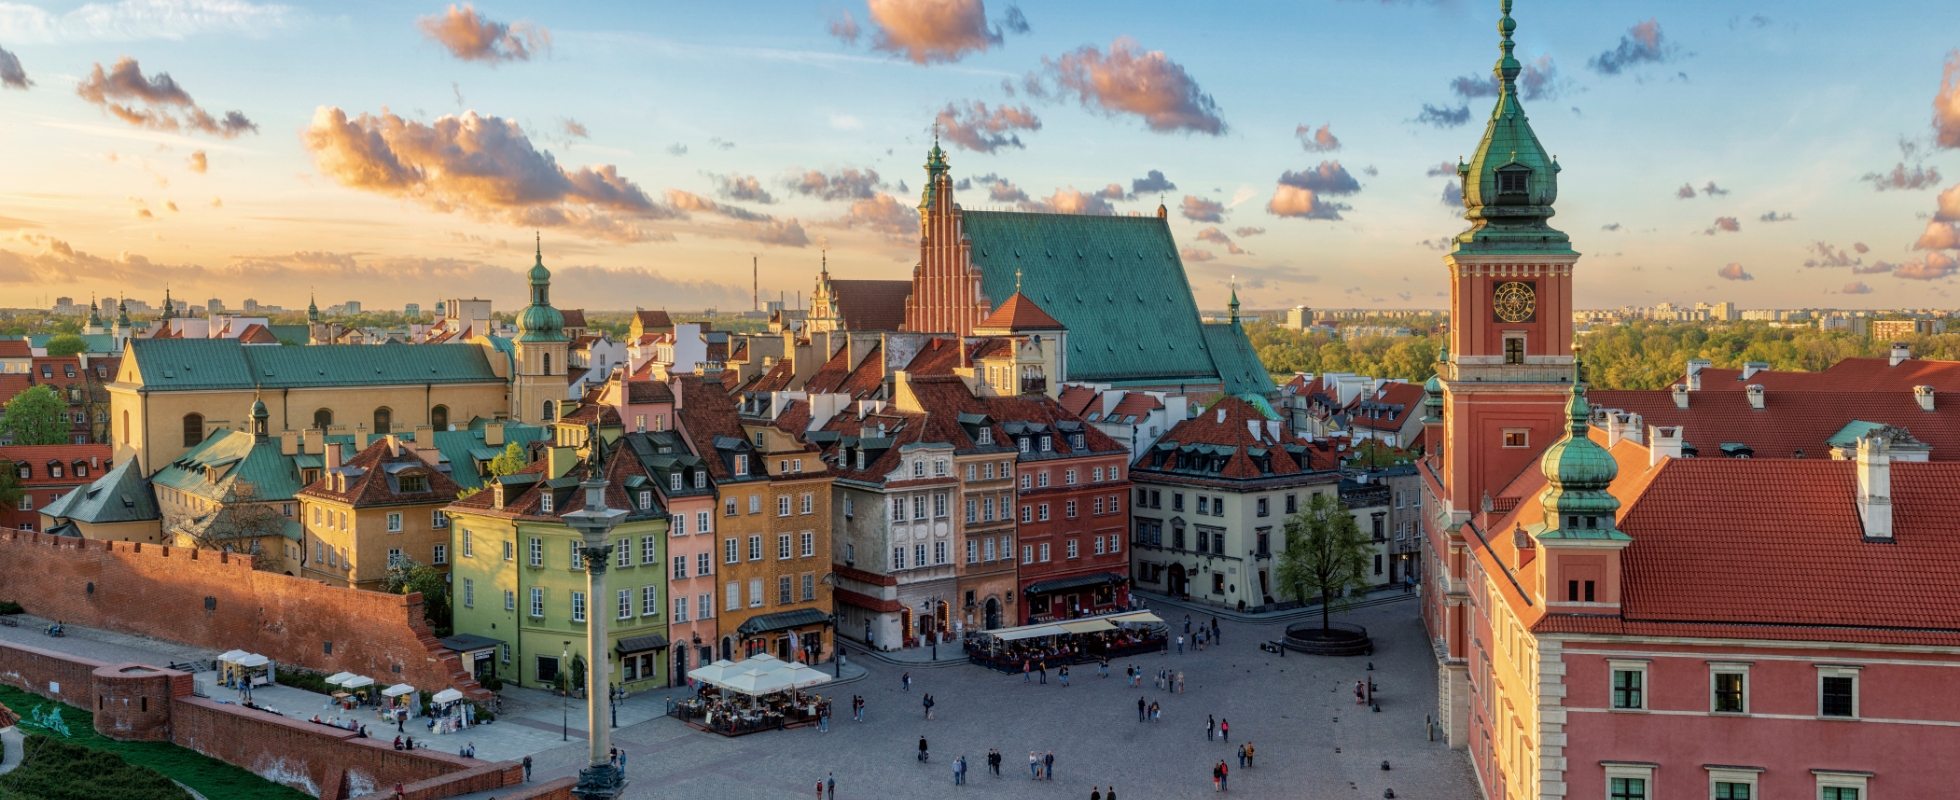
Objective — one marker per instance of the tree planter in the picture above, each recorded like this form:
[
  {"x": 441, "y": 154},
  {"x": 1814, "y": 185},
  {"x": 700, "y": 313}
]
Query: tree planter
[{"x": 1338, "y": 639}]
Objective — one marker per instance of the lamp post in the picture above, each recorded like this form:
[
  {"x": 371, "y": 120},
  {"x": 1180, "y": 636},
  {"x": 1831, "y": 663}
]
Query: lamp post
[
  {"x": 600, "y": 778},
  {"x": 564, "y": 716}
]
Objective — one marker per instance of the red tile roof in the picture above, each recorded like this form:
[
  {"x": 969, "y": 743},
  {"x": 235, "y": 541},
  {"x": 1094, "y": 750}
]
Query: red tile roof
[
  {"x": 15, "y": 348},
  {"x": 1133, "y": 404},
  {"x": 836, "y": 376},
  {"x": 1849, "y": 375},
  {"x": 642, "y": 392},
  {"x": 939, "y": 357},
  {"x": 1020, "y": 313},
  {"x": 372, "y": 487},
  {"x": 574, "y": 317},
  {"x": 656, "y": 318},
  {"x": 257, "y": 334},
  {"x": 871, "y": 305},
  {"x": 1232, "y": 433},
  {"x": 37, "y": 456},
  {"x": 1383, "y": 403},
  {"x": 1790, "y": 420},
  {"x": 777, "y": 378},
  {"x": 13, "y": 383},
  {"x": 1077, "y": 399}
]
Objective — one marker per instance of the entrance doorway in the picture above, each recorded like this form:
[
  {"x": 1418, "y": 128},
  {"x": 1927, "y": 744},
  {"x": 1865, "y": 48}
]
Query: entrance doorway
[
  {"x": 679, "y": 676},
  {"x": 993, "y": 613},
  {"x": 1265, "y": 591},
  {"x": 1179, "y": 581}
]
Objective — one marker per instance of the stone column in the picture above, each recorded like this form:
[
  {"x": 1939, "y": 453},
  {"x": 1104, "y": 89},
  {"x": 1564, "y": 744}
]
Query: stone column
[{"x": 599, "y": 779}]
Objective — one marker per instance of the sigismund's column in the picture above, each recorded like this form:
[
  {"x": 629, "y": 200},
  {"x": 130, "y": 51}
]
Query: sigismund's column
[{"x": 600, "y": 778}]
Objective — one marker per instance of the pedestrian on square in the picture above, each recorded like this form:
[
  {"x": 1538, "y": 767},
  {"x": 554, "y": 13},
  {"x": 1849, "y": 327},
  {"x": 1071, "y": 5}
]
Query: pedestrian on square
[
  {"x": 1216, "y": 776},
  {"x": 1224, "y": 776},
  {"x": 1156, "y": 712},
  {"x": 1064, "y": 673},
  {"x": 1241, "y": 756},
  {"x": 993, "y": 761},
  {"x": 1187, "y": 623},
  {"x": 1105, "y": 666},
  {"x": 1180, "y": 644},
  {"x": 907, "y": 680},
  {"x": 930, "y": 702},
  {"x": 830, "y": 783},
  {"x": 1225, "y": 729},
  {"x": 527, "y": 768},
  {"x": 1140, "y": 708},
  {"x": 823, "y": 718},
  {"x": 1044, "y": 673},
  {"x": 819, "y": 790},
  {"x": 959, "y": 771},
  {"x": 1111, "y": 795},
  {"x": 1034, "y": 765},
  {"x": 1095, "y": 793},
  {"x": 1130, "y": 674},
  {"x": 1360, "y": 694},
  {"x": 922, "y": 748},
  {"x": 622, "y": 759},
  {"x": 1180, "y": 681},
  {"x": 1027, "y": 669},
  {"x": 1211, "y": 725},
  {"x": 1048, "y": 763},
  {"x": 1248, "y": 754}
]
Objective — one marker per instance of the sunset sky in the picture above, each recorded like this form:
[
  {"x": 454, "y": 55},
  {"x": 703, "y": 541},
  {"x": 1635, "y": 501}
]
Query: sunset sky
[{"x": 404, "y": 152}]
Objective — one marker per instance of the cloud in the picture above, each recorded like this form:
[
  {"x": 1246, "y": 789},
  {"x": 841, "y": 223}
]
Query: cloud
[
  {"x": 741, "y": 187},
  {"x": 170, "y": 205},
  {"x": 849, "y": 183},
  {"x": 1244, "y": 232},
  {"x": 1642, "y": 44},
  {"x": 782, "y": 233},
  {"x": 470, "y": 36},
  {"x": 1919, "y": 177},
  {"x": 1828, "y": 256},
  {"x": 677, "y": 149},
  {"x": 1152, "y": 182},
  {"x": 1713, "y": 191},
  {"x": 165, "y": 106},
  {"x": 574, "y": 128},
  {"x": 1000, "y": 190},
  {"x": 1933, "y": 267},
  {"x": 1293, "y": 201},
  {"x": 1875, "y": 269},
  {"x": 1213, "y": 235},
  {"x": 720, "y": 143},
  {"x": 1318, "y": 140},
  {"x": 1330, "y": 178},
  {"x": 981, "y": 130},
  {"x": 1015, "y": 21},
  {"x": 11, "y": 75},
  {"x": 1194, "y": 254},
  {"x": 1113, "y": 191},
  {"x": 927, "y": 31},
  {"x": 1444, "y": 116},
  {"x": 1772, "y": 216},
  {"x": 199, "y": 163},
  {"x": 1539, "y": 80},
  {"x": 1198, "y": 209},
  {"x": 135, "y": 20},
  {"x": 1949, "y": 205},
  {"x": 689, "y": 201},
  {"x": 1443, "y": 170},
  {"x": 1938, "y": 236},
  {"x": 1686, "y": 192},
  {"x": 1860, "y": 247},
  {"x": 1723, "y": 225},
  {"x": 483, "y": 166},
  {"x": 1611, "y": 226},
  {"x": 1452, "y": 195},
  {"x": 1070, "y": 201},
  {"x": 1129, "y": 80},
  {"x": 1946, "y": 104},
  {"x": 1857, "y": 287},
  {"x": 883, "y": 214},
  {"x": 1734, "y": 272}
]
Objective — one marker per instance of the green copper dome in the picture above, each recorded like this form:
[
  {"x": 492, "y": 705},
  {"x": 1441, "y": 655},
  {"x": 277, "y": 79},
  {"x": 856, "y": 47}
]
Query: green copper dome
[
  {"x": 1578, "y": 473},
  {"x": 258, "y": 409},
  {"x": 1510, "y": 184},
  {"x": 540, "y": 322},
  {"x": 935, "y": 167}
]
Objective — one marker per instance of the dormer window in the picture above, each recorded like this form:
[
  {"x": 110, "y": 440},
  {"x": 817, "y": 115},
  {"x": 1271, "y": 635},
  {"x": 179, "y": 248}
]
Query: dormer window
[
  {"x": 414, "y": 483},
  {"x": 544, "y": 503},
  {"x": 1513, "y": 179},
  {"x": 742, "y": 463},
  {"x": 986, "y": 436},
  {"x": 1047, "y": 444},
  {"x": 674, "y": 482},
  {"x": 700, "y": 479},
  {"x": 918, "y": 469},
  {"x": 1024, "y": 444},
  {"x": 646, "y": 500}
]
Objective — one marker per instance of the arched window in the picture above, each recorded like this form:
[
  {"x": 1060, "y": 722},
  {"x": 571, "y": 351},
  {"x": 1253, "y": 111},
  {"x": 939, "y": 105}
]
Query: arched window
[
  {"x": 323, "y": 418},
  {"x": 547, "y": 363},
  {"x": 382, "y": 418},
  {"x": 439, "y": 418},
  {"x": 193, "y": 430},
  {"x": 550, "y": 411}
]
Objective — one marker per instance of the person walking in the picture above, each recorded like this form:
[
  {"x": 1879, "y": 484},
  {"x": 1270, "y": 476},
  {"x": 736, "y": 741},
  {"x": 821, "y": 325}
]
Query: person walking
[
  {"x": 1224, "y": 776},
  {"x": 1248, "y": 754},
  {"x": 1211, "y": 725},
  {"x": 1104, "y": 665},
  {"x": 1044, "y": 673},
  {"x": 1225, "y": 730},
  {"x": 993, "y": 761},
  {"x": 1095, "y": 793},
  {"x": 1130, "y": 674},
  {"x": 930, "y": 702},
  {"x": 1027, "y": 669},
  {"x": 1111, "y": 795},
  {"x": 819, "y": 790},
  {"x": 1187, "y": 623},
  {"x": 830, "y": 784},
  {"x": 1180, "y": 644},
  {"x": 923, "y": 755},
  {"x": 906, "y": 679},
  {"x": 1215, "y": 776},
  {"x": 1048, "y": 765},
  {"x": 823, "y": 717},
  {"x": 1141, "y": 707},
  {"x": 1034, "y": 765},
  {"x": 959, "y": 775},
  {"x": 1241, "y": 756},
  {"x": 1360, "y": 694},
  {"x": 527, "y": 768},
  {"x": 1156, "y": 712},
  {"x": 1064, "y": 674}
]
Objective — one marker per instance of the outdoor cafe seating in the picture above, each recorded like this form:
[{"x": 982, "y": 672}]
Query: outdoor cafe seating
[
  {"x": 1069, "y": 641},
  {"x": 757, "y": 694}
]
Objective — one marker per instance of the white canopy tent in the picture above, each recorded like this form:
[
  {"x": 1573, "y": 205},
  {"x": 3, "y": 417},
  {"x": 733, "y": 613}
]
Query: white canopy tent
[
  {"x": 357, "y": 682},
  {"x": 397, "y": 690},
  {"x": 446, "y": 696},
  {"x": 339, "y": 678},
  {"x": 1134, "y": 617},
  {"x": 711, "y": 673},
  {"x": 801, "y": 676}
]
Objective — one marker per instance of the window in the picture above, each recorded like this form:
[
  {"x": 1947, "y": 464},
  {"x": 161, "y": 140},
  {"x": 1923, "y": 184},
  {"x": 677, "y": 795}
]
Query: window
[
  {"x": 626, "y": 603},
  {"x": 550, "y": 408},
  {"x": 938, "y": 552},
  {"x": 938, "y": 505},
  {"x": 677, "y": 524},
  {"x": 1840, "y": 785},
  {"x": 1024, "y": 482},
  {"x": 898, "y": 558},
  {"x": 1044, "y": 552},
  {"x": 1629, "y": 685},
  {"x": 918, "y": 555},
  {"x": 1204, "y": 504},
  {"x": 578, "y": 606},
  {"x": 919, "y": 507},
  {"x": 755, "y": 504},
  {"x": 783, "y": 588},
  {"x": 1040, "y": 479},
  {"x": 986, "y": 436},
  {"x": 972, "y": 510},
  {"x": 1099, "y": 505},
  {"x": 1837, "y": 691},
  {"x": 1027, "y": 554},
  {"x": 544, "y": 502},
  {"x": 1177, "y": 501},
  {"x": 782, "y": 547},
  {"x": 537, "y": 552},
  {"x": 1068, "y": 509},
  {"x": 440, "y": 555},
  {"x": 1068, "y": 477},
  {"x": 578, "y": 556},
  {"x": 1514, "y": 349},
  {"x": 987, "y": 509},
  {"x": 742, "y": 466},
  {"x": 972, "y": 472},
  {"x": 919, "y": 469},
  {"x": 1115, "y": 543},
  {"x": 733, "y": 592},
  {"x": 1517, "y": 437},
  {"x": 510, "y": 550},
  {"x": 782, "y": 506},
  {"x": 674, "y": 482},
  {"x": 973, "y": 551},
  {"x": 706, "y": 604},
  {"x": 1074, "y": 549},
  {"x": 1729, "y": 686},
  {"x": 680, "y": 567},
  {"x": 731, "y": 550},
  {"x": 1027, "y": 513},
  {"x": 1099, "y": 545},
  {"x": 394, "y": 522},
  {"x": 1114, "y": 503},
  {"x": 193, "y": 430},
  {"x": 808, "y": 543},
  {"x": 383, "y": 418},
  {"x": 755, "y": 548},
  {"x": 1260, "y": 507},
  {"x": 1627, "y": 788},
  {"x": 469, "y": 593},
  {"x": 701, "y": 522},
  {"x": 1044, "y": 512},
  {"x": 650, "y": 549},
  {"x": 680, "y": 607},
  {"x": 1513, "y": 180},
  {"x": 729, "y": 507},
  {"x": 809, "y": 587},
  {"x": 701, "y": 478},
  {"x": 1730, "y": 783},
  {"x": 437, "y": 519},
  {"x": 704, "y": 563},
  {"x": 537, "y": 601},
  {"x": 1098, "y": 475},
  {"x": 649, "y": 603},
  {"x": 510, "y": 600}
]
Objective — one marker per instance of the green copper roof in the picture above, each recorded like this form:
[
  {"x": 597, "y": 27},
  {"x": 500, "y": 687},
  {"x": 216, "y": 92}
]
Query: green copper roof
[
  {"x": 1504, "y": 219},
  {"x": 1235, "y": 362},
  {"x": 1119, "y": 286},
  {"x": 1578, "y": 473},
  {"x": 211, "y": 469},
  {"x": 120, "y": 495},
  {"x": 539, "y": 322},
  {"x": 460, "y": 447},
  {"x": 189, "y": 364}
]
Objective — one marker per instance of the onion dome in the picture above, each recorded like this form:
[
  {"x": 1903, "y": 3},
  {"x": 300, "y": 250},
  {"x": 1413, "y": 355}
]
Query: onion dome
[
  {"x": 1578, "y": 473},
  {"x": 1511, "y": 182},
  {"x": 540, "y": 322}
]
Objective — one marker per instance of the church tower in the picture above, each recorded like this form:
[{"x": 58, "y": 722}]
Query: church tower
[
  {"x": 95, "y": 325},
  {"x": 538, "y": 380},
  {"x": 124, "y": 328},
  {"x": 946, "y": 296},
  {"x": 1508, "y": 372}
]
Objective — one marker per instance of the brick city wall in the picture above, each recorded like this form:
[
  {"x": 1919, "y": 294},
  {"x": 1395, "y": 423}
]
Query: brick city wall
[
  {"x": 216, "y": 600},
  {"x": 70, "y": 679}
]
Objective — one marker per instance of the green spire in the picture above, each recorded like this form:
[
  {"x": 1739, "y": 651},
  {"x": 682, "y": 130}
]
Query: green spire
[
  {"x": 1235, "y": 300},
  {"x": 94, "y": 314},
  {"x": 936, "y": 168},
  {"x": 1578, "y": 474},
  {"x": 1509, "y": 186},
  {"x": 122, "y": 314},
  {"x": 312, "y": 308},
  {"x": 540, "y": 322},
  {"x": 169, "y": 308}
]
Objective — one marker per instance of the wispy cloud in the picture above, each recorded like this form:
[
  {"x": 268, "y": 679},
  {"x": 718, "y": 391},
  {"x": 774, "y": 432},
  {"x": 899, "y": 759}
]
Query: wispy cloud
[
  {"x": 1919, "y": 177},
  {"x": 11, "y": 74},
  {"x": 1772, "y": 216},
  {"x": 1723, "y": 225},
  {"x": 470, "y": 36},
  {"x": 1330, "y": 178},
  {"x": 1539, "y": 80},
  {"x": 157, "y": 103},
  {"x": 1642, "y": 44},
  {"x": 1686, "y": 192},
  {"x": 1712, "y": 190},
  {"x": 199, "y": 163},
  {"x": 884, "y": 214},
  {"x": 1317, "y": 140},
  {"x": 1856, "y": 287},
  {"x": 138, "y": 20},
  {"x": 1131, "y": 80},
  {"x": 976, "y": 127},
  {"x": 1194, "y": 254},
  {"x": 741, "y": 187},
  {"x": 849, "y": 183},
  {"x": 1198, "y": 209},
  {"x": 1244, "y": 232},
  {"x": 1827, "y": 256},
  {"x": 1443, "y": 116}
]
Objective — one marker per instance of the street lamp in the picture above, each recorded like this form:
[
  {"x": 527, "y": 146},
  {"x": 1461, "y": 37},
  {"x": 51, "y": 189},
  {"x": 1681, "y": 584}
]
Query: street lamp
[
  {"x": 564, "y": 716},
  {"x": 600, "y": 778}
]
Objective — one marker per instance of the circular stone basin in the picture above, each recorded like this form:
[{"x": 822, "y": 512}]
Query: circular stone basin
[{"x": 1339, "y": 639}]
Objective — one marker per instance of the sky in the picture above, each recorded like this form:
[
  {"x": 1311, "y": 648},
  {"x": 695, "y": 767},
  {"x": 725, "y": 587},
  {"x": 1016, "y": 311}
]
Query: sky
[{"x": 1789, "y": 154}]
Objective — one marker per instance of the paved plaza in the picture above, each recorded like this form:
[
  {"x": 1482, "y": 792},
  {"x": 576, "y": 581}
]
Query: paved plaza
[{"x": 1312, "y": 740}]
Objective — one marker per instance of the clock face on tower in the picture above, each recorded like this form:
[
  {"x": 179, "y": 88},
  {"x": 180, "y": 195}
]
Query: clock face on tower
[{"x": 1515, "y": 301}]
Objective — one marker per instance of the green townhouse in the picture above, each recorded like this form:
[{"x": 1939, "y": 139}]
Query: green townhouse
[{"x": 518, "y": 581}]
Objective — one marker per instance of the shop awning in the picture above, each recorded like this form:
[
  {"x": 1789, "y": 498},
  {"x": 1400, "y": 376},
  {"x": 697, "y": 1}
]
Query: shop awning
[
  {"x": 357, "y": 682},
  {"x": 1029, "y": 632},
  {"x": 397, "y": 690},
  {"x": 469, "y": 642},
  {"x": 232, "y": 655},
  {"x": 252, "y": 660},
  {"x": 713, "y": 673},
  {"x": 641, "y": 644},
  {"x": 801, "y": 676},
  {"x": 1134, "y": 617},
  {"x": 1085, "y": 626},
  {"x": 338, "y": 678},
  {"x": 783, "y": 620},
  {"x": 1073, "y": 582}
]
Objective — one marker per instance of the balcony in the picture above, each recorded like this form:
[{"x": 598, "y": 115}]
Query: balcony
[{"x": 1036, "y": 385}]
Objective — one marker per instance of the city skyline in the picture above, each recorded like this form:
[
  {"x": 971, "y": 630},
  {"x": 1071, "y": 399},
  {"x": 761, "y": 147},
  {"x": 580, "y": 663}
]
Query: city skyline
[{"x": 1706, "y": 150}]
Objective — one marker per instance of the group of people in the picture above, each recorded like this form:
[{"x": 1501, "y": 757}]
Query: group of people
[{"x": 1150, "y": 713}]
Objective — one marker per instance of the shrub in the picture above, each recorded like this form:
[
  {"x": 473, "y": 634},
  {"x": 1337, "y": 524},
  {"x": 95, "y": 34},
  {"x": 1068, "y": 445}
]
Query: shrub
[
  {"x": 299, "y": 679},
  {"x": 11, "y": 607},
  {"x": 57, "y": 770}
]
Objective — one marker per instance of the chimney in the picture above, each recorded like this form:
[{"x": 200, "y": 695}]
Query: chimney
[
  {"x": 1750, "y": 368},
  {"x": 1694, "y": 381},
  {"x": 1252, "y": 425},
  {"x": 1875, "y": 487},
  {"x": 1272, "y": 430},
  {"x": 559, "y": 460},
  {"x": 1666, "y": 444},
  {"x": 333, "y": 455},
  {"x": 394, "y": 446},
  {"x": 1901, "y": 352},
  {"x": 314, "y": 441},
  {"x": 1221, "y": 415},
  {"x": 289, "y": 443},
  {"x": 95, "y": 462},
  {"x": 1924, "y": 394},
  {"x": 1756, "y": 396},
  {"x": 1680, "y": 396},
  {"x": 493, "y": 434}
]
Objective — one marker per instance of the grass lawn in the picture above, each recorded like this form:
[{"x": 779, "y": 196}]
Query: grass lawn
[
  {"x": 57, "y": 770},
  {"x": 209, "y": 776}
]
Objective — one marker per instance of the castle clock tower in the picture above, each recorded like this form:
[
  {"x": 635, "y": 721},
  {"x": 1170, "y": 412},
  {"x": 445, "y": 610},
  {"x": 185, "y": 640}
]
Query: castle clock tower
[
  {"x": 1508, "y": 373},
  {"x": 538, "y": 381}
]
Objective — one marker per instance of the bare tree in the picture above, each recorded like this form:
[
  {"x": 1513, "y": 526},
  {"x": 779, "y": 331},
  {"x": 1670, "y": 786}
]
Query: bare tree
[{"x": 240, "y": 520}]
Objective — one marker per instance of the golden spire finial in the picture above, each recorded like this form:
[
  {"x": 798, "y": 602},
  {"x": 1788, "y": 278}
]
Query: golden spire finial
[{"x": 1017, "y": 281}]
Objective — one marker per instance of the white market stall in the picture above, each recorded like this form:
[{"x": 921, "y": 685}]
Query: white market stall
[
  {"x": 398, "y": 701},
  {"x": 772, "y": 694},
  {"x": 451, "y": 711}
]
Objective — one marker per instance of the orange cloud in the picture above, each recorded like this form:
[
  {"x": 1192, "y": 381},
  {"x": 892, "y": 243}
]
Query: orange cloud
[
  {"x": 1198, "y": 209},
  {"x": 198, "y": 163},
  {"x": 1946, "y": 104},
  {"x": 1949, "y": 210},
  {"x": 1129, "y": 80},
  {"x": 1938, "y": 236},
  {"x": 846, "y": 184},
  {"x": 884, "y": 214},
  {"x": 1194, "y": 254},
  {"x": 1857, "y": 287},
  {"x": 1934, "y": 266},
  {"x": 1293, "y": 201},
  {"x": 924, "y": 31},
  {"x": 1070, "y": 201},
  {"x": 1213, "y": 235},
  {"x": 164, "y": 105},
  {"x": 483, "y": 166},
  {"x": 976, "y": 128},
  {"x": 472, "y": 37},
  {"x": 1734, "y": 272},
  {"x": 1318, "y": 141}
]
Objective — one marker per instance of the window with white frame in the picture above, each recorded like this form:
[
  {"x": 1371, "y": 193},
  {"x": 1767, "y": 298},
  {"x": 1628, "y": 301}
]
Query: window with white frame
[
  {"x": 1115, "y": 544},
  {"x": 677, "y": 524},
  {"x": 782, "y": 506},
  {"x": 729, "y": 508},
  {"x": 394, "y": 522},
  {"x": 649, "y": 549},
  {"x": 1069, "y": 509},
  {"x": 578, "y": 606},
  {"x": 1024, "y": 482},
  {"x": 701, "y": 519},
  {"x": 919, "y": 507},
  {"x": 625, "y": 603},
  {"x": 544, "y": 502},
  {"x": 1098, "y": 474},
  {"x": 809, "y": 587},
  {"x": 700, "y": 479},
  {"x": 898, "y": 558},
  {"x": 939, "y": 505},
  {"x": 919, "y": 555},
  {"x": 680, "y": 567},
  {"x": 972, "y": 551},
  {"x": 1099, "y": 545},
  {"x": 1041, "y": 479},
  {"x": 1837, "y": 691},
  {"x": 537, "y": 552},
  {"x": 510, "y": 600},
  {"x": 1042, "y": 512},
  {"x": 938, "y": 552},
  {"x": 1074, "y": 549},
  {"x": 755, "y": 504},
  {"x": 782, "y": 547},
  {"x": 469, "y": 547},
  {"x": 733, "y": 592},
  {"x": 807, "y": 544},
  {"x": 1068, "y": 477},
  {"x": 706, "y": 605},
  {"x": 1629, "y": 684},
  {"x": 437, "y": 519},
  {"x": 1732, "y": 783},
  {"x": 1027, "y": 554},
  {"x": 972, "y": 510},
  {"x": 1027, "y": 513},
  {"x": 1728, "y": 687},
  {"x": 680, "y": 608},
  {"x": 704, "y": 563},
  {"x": 807, "y": 504},
  {"x": 649, "y": 601},
  {"x": 537, "y": 602},
  {"x": 755, "y": 547},
  {"x": 1628, "y": 781},
  {"x": 578, "y": 555},
  {"x": 394, "y": 557},
  {"x": 755, "y": 593},
  {"x": 674, "y": 482},
  {"x": 1044, "y": 552},
  {"x": 439, "y": 554},
  {"x": 731, "y": 550},
  {"x": 989, "y": 547},
  {"x": 783, "y": 588},
  {"x": 1835, "y": 785},
  {"x": 469, "y": 593},
  {"x": 623, "y": 553}
]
